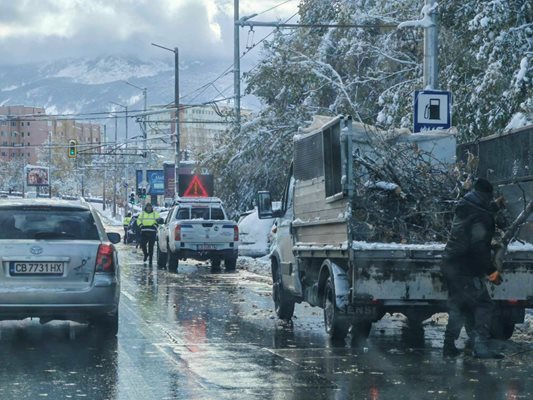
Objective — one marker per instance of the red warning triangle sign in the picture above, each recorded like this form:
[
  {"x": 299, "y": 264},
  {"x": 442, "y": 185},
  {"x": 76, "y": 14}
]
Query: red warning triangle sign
[{"x": 195, "y": 189}]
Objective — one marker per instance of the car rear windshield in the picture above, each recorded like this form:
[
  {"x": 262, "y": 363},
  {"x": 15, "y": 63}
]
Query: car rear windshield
[
  {"x": 207, "y": 213},
  {"x": 50, "y": 223}
]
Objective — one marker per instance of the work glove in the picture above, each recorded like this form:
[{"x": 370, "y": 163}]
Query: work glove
[{"x": 496, "y": 278}]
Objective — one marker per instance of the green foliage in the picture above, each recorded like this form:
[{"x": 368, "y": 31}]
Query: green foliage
[{"x": 485, "y": 57}]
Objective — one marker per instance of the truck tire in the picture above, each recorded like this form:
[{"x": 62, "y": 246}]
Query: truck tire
[
  {"x": 283, "y": 302},
  {"x": 215, "y": 264},
  {"x": 361, "y": 329},
  {"x": 161, "y": 257},
  {"x": 336, "y": 326},
  {"x": 230, "y": 263},
  {"x": 173, "y": 261}
]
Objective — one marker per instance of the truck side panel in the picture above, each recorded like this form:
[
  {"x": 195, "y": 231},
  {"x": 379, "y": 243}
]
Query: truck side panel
[{"x": 318, "y": 220}]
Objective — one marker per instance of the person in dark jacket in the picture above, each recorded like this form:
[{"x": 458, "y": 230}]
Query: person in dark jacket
[{"x": 466, "y": 264}]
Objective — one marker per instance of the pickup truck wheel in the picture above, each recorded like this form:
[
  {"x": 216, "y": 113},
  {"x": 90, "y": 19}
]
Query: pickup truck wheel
[
  {"x": 230, "y": 263},
  {"x": 215, "y": 263},
  {"x": 336, "y": 326},
  {"x": 283, "y": 303},
  {"x": 161, "y": 258},
  {"x": 173, "y": 261}
]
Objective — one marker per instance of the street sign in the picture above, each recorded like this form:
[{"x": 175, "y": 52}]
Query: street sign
[{"x": 432, "y": 109}]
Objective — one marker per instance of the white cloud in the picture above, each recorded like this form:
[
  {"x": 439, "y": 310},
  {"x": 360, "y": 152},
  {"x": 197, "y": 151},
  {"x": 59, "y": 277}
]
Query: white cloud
[{"x": 33, "y": 30}]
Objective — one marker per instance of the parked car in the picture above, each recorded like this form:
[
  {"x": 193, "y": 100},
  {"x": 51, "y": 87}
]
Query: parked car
[
  {"x": 58, "y": 263},
  {"x": 254, "y": 234}
]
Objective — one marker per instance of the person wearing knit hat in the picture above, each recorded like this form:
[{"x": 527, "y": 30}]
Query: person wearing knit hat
[{"x": 466, "y": 263}]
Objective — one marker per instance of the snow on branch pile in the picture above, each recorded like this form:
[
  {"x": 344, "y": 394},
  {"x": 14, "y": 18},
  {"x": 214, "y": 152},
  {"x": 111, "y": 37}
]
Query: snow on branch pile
[{"x": 404, "y": 194}]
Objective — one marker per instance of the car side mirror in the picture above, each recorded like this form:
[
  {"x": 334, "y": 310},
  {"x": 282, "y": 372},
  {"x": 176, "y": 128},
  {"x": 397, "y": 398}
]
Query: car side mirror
[
  {"x": 113, "y": 237},
  {"x": 160, "y": 221},
  {"x": 264, "y": 206}
]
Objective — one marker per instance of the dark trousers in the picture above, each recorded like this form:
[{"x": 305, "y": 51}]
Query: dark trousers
[
  {"x": 469, "y": 303},
  {"x": 125, "y": 233},
  {"x": 147, "y": 243}
]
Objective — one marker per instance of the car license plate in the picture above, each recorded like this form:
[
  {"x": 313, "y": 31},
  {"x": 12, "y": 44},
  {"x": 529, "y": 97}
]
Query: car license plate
[
  {"x": 207, "y": 247},
  {"x": 36, "y": 268}
]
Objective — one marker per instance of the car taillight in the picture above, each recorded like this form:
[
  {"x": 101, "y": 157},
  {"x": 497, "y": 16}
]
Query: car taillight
[
  {"x": 105, "y": 258},
  {"x": 235, "y": 233},
  {"x": 177, "y": 233}
]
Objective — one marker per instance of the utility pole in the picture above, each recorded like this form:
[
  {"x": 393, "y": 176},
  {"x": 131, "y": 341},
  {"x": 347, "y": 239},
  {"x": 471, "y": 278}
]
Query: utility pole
[
  {"x": 177, "y": 118},
  {"x": 144, "y": 180},
  {"x": 237, "y": 66},
  {"x": 126, "y": 158},
  {"x": 177, "y": 105},
  {"x": 104, "y": 182},
  {"x": 431, "y": 37},
  {"x": 49, "y": 164},
  {"x": 115, "y": 173}
]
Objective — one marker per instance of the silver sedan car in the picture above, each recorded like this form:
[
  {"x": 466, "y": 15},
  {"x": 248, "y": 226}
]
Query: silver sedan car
[{"x": 57, "y": 262}]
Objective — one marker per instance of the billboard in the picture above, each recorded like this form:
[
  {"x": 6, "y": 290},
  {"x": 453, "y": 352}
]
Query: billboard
[
  {"x": 36, "y": 175},
  {"x": 155, "y": 179},
  {"x": 169, "y": 173}
]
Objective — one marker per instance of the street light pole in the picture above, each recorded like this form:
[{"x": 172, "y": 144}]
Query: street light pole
[
  {"x": 177, "y": 118},
  {"x": 237, "y": 66},
  {"x": 144, "y": 179},
  {"x": 126, "y": 158}
]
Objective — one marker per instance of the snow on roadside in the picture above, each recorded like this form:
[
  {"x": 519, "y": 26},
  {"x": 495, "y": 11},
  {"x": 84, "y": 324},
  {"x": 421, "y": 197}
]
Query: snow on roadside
[{"x": 259, "y": 266}]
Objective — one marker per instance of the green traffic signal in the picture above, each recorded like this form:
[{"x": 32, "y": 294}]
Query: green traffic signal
[{"x": 72, "y": 150}]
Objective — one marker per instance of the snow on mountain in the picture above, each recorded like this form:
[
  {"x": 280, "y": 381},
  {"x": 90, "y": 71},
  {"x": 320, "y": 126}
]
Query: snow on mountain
[
  {"x": 105, "y": 70},
  {"x": 88, "y": 85}
]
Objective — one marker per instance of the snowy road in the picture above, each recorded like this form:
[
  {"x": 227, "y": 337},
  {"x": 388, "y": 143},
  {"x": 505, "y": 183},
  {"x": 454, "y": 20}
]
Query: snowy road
[{"x": 204, "y": 335}]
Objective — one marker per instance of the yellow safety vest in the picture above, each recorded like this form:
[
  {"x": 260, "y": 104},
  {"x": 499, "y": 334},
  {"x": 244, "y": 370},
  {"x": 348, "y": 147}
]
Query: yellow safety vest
[
  {"x": 148, "y": 221},
  {"x": 127, "y": 221}
]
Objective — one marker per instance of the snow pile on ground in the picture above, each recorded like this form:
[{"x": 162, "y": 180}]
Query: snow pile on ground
[
  {"x": 260, "y": 266},
  {"x": 525, "y": 331}
]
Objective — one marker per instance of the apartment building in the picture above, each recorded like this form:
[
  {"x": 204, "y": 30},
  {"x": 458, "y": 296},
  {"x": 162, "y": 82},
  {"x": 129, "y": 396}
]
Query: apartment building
[{"x": 23, "y": 132}]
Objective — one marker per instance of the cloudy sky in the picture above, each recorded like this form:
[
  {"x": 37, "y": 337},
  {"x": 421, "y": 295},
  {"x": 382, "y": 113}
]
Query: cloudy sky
[{"x": 40, "y": 30}]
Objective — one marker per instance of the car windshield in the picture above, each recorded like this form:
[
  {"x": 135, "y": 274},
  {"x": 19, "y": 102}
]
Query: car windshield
[{"x": 47, "y": 223}]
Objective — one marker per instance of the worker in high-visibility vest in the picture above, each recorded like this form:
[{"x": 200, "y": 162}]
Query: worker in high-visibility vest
[
  {"x": 147, "y": 223},
  {"x": 126, "y": 224}
]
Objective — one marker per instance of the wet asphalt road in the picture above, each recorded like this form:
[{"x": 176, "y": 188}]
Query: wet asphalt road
[{"x": 200, "y": 334}]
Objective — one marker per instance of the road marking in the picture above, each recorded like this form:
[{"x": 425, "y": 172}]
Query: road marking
[{"x": 128, "y": 296}]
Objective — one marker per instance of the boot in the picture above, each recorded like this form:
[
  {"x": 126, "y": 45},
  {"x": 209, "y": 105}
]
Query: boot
[
  {"x": 449, "y": 349},
  {"x": 482, "y": 350},
  {"x": 145, "y": 257}
]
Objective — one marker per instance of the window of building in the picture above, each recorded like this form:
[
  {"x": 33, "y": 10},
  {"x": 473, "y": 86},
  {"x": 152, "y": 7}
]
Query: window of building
[
  {"x": 28, "y": 133},
  {"x": 28, "y": 143},
  {"x": 22, "y": 134}
]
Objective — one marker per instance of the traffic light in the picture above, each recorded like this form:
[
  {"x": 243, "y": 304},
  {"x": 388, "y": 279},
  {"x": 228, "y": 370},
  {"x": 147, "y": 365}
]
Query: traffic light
[
  {"x": 72, "y": 149},
  {"x": 144, "y": 193},
  {"x": 139, "y": 192},
  {"x": 132, "y": 198}
]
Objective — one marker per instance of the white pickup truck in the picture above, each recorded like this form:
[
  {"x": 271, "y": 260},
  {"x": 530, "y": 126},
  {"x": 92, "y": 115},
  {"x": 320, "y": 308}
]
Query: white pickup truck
[{"x": 198, "y": 228}]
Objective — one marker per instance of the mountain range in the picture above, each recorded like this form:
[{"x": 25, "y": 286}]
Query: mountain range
[{"x": 72, "y": 86}]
